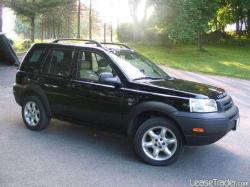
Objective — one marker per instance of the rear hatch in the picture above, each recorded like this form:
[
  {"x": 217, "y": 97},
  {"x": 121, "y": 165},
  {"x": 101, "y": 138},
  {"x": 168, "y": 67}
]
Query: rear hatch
[{"x": 7, "y": 54}]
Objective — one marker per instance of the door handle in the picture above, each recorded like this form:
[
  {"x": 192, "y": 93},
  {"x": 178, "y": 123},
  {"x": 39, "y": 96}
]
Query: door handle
[
  {"x": 73, "y": 85},
  {"x": 40, "y": 79},
  {"x": 51, "y": 85}
]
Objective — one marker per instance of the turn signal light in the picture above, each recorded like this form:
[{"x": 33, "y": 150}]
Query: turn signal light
[{"x": 198, "y": 130}]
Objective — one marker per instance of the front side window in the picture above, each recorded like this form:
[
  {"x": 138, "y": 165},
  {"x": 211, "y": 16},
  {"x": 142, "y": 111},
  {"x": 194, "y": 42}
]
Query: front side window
[
  {"x": 59, "y": 62},
  {"x": 91, "y": 65}
]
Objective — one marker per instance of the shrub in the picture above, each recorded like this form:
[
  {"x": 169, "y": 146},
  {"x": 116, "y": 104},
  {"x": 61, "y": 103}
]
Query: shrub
[
  {"x": 228, "y": 38},
  {"x": 22, "y": 45},
  {"x": 125, "y": 33}
]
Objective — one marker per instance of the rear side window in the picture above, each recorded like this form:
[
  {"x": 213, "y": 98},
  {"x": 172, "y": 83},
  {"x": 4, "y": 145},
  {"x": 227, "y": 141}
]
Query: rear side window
[
  {"x": 59, "y": 62},
  {"x": 33, "y": 59}
]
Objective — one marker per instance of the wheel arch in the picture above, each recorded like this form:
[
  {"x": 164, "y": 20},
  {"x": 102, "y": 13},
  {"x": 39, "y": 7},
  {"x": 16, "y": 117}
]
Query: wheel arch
[
  {"x": 147, "y": 110},
  {"x": 34, "y": 90}
]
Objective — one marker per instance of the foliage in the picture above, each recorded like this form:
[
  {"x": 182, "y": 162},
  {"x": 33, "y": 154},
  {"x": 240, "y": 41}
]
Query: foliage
[
  {"x": 185, "y": 20},
  {"x": 22, "y": 26},
  {"x": 125, "y": 33},
  {"x": 188, "y": 20},
  {"x": 230, "y": 12},
  {"x": 173, "y": 21},
  {"x": 32, "y": 8},
  {"x": 47, "y": 19},
  {"x": 21, "y": 45}
]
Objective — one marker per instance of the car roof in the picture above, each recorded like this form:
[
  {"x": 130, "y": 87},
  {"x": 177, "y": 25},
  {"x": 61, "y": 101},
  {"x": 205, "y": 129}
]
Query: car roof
[
  {"x": 91, "y": 44},
  {"x": 55, "y": 45}
]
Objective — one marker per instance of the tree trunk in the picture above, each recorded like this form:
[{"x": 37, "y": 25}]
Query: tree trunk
[
  {"x": 90, "y": 20},
  {"x": 42, "y": 29},
  {"x": 78, "y": 19},
  {"x": 118, "y": 28},
  {"x": 111, "y": 32},
  {"x": 134, "y": 4},
  {"x": 136, "y": 33},
  {"x": 104, "y": 33},
  {"x": 32, "y": 32},
  {"x": 67, "y": 27},
  {"x": 1, "y": 15},
  {"x": 53, "y": 29},
  {"x": 199, "y": 41},
  {"x": 237, "y": 27},
  {"x": 248, "y": 21}
]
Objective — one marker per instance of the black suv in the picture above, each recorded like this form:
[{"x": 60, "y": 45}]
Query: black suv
[{"x": 110, "y": 85}]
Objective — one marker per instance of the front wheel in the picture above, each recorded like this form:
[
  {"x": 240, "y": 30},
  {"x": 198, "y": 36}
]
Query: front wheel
[
  {"x": 34, "y": 114},
  {"x": 158, "y": 142}
]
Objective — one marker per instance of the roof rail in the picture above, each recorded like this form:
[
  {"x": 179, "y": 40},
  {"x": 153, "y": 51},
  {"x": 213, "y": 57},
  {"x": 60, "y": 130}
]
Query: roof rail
[
  {"x": 83, "y": 40},
  {"x": 115, "y": 44}
]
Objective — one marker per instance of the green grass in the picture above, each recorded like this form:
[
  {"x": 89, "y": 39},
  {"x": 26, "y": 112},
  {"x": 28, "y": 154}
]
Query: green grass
[{"x": 233, "y": 61}]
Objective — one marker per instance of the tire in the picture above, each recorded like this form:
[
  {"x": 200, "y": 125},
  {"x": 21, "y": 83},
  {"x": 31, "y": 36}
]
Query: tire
[
  {"x": 151, "y": 146},
  {"x": 34, "y": 114}
]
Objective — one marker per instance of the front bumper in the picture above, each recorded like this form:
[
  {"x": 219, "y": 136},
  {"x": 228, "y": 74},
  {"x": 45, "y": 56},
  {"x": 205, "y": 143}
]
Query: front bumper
[{"x": 215, "y": 125}]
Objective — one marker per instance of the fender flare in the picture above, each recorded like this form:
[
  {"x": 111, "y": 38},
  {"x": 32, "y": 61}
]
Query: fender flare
[
  {"x": 149, "y": 106},
  {"x": 33, "y": 88}
]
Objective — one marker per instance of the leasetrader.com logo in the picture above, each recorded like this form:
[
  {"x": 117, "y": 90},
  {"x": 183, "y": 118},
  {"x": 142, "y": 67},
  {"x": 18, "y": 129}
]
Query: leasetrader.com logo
[{"x": 218, "y": 182}]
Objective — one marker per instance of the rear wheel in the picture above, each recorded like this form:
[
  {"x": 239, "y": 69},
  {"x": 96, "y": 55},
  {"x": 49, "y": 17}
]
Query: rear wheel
[
  {"x": 158, "y": 142},
  {"x": 34, "y": 114}
]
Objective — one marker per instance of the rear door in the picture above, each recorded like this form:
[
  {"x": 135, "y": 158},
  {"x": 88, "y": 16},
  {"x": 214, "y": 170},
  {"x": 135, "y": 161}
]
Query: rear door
[{"x": 55, "y": 78}]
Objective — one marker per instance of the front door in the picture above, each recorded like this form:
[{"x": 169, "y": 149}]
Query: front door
[{"x": 95, "y": 101}]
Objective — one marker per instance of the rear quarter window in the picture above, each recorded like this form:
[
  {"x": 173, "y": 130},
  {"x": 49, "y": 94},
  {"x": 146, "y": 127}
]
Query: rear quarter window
[{"x": 33, "y": 59}]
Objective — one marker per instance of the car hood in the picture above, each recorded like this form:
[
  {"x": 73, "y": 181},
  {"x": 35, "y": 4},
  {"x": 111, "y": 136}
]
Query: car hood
[{"x": 186, "y": 88}]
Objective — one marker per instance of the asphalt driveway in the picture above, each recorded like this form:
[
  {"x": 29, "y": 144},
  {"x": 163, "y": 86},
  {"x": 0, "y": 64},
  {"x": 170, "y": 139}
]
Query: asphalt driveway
[{"x": 71, "y": 155}]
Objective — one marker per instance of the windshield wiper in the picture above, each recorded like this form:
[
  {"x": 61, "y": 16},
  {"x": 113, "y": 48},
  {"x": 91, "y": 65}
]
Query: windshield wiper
[{"x": 152, "y": 78}]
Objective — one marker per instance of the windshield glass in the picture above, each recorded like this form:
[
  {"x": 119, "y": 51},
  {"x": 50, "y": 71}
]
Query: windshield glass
[{"x": 137, "y": 67}]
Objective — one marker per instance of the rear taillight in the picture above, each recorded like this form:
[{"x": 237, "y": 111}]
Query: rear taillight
[
  {"x": 21, "y": 78},
  {"x": 18, "y": 78}
]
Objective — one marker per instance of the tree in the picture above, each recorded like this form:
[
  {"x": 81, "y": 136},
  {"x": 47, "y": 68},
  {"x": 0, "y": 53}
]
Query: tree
[
  {"x": 22, "y": 26},
  {"x": 78, "y": 19},
  {"x": 138, "y": 25},
  {"x": 33, "y": 9},
  {"x": 25, "y": 8},
  {"x": 186, "y": 20},
  {"x": 90, "y": 19},
  {"x": 1, "y": 15}
]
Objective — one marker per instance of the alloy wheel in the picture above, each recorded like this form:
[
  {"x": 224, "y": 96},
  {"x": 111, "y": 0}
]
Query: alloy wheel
[
  {"x": 159, "y": 143},
  {"x": 31, "y": 113}
]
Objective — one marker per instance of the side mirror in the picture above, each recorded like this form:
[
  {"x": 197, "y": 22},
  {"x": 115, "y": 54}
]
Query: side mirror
[{"x": 108, "y": 78}]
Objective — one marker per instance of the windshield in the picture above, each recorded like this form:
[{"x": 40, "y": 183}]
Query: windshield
[{"x": 137, "y": 67}]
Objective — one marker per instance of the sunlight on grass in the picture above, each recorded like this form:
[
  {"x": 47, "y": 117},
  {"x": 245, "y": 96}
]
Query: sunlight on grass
[{"x": 236, "y": 65}]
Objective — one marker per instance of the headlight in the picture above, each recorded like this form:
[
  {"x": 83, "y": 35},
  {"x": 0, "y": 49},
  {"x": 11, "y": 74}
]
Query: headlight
[{"x": 203, "y": 105}]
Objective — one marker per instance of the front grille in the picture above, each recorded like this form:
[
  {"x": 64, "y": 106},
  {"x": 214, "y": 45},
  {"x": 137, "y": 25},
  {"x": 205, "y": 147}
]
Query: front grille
[{"x": 225, "y": 103}]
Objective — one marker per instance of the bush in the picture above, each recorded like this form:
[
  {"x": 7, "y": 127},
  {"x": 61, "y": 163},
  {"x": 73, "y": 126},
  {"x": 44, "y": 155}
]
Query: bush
[
  {"x": 230, "y": 38},
  {"x": 157, "y": 37},
  {"x": 22, "y": 45},
  {"x": 151, "y": 36},
  {"x": 125, "y": 33}
]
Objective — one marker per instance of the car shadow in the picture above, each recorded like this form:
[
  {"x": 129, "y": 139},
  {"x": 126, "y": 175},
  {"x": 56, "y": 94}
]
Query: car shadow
[{"x": 85, "y": 141}]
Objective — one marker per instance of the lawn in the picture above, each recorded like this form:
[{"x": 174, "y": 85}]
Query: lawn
[{"x": 231, "y": 61}]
